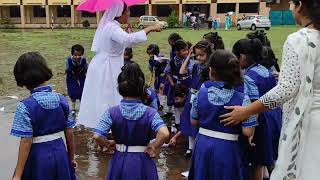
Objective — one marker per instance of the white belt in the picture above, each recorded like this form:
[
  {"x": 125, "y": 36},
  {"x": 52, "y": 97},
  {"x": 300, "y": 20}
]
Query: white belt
[
  {"x": 181, "y": 78},
  {"x": 47, "y": 138},
  {"x": 124, "y": 148},
  {"x": 219, "y": 135}
]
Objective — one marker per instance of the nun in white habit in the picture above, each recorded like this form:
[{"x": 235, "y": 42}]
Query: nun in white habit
[{"x": 100, "y": 88}]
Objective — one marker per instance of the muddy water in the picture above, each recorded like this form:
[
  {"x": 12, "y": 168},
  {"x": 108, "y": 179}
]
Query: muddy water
[{"x": 93, "y": 164}]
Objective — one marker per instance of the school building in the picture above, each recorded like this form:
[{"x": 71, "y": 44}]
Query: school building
[{"x": 47, "y": 13}]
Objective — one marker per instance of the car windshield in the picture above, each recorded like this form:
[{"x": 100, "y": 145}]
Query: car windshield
[{"x": 157, "y": 18}]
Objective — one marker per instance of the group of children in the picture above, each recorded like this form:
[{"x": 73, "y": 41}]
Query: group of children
[{"x": 193, "y": 85}]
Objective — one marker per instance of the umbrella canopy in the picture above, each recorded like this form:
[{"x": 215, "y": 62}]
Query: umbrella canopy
[{"x": 103, "y": 5}]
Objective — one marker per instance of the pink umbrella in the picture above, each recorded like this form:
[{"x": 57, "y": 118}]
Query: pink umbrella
[{"x": 103, "y": 5}]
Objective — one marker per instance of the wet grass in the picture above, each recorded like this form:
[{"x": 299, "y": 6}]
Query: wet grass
[{"x": 55, "y": 47}]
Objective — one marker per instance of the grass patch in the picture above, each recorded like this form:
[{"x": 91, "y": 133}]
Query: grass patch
[{"x": 55, "y": 47}]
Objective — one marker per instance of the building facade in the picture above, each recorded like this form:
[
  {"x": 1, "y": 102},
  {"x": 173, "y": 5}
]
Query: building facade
[{"x": 53, "y": 13}]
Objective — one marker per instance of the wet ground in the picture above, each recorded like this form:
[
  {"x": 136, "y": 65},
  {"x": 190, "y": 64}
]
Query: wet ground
[{"x": 92, "y": 162}]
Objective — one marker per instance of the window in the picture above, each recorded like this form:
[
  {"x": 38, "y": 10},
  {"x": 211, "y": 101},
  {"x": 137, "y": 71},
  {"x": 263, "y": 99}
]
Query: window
[
  {"x": 145, "y": 18},
  {"x": 39, "y": 11},
  {"x": 15, "y": 11},
  {"x": 248, "y": 7},
  {"x": 137, "y": 11},
  {"x": 88, "y": 14},
  {"x": 163, "y": 10},
  {"x": 226, "y": 7},
  {"x": 64, "y": 11},
  {"x": 152, "y": 19}
]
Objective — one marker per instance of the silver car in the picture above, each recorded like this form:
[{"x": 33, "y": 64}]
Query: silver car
[{"x": 254, "y": 22}]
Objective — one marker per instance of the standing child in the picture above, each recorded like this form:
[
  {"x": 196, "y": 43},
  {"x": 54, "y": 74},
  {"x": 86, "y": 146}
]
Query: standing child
[
  {"x": 41, "y": 120},
  {"x": 133, "y": 125},
  {"x": 217, "y": 154},
  {"x": 157, "y": 64},
  {"x": 202, "y": 51},
  {"x": 258, "y": 80},
  {"x": 128, "y": 55},
  {"x": 76, "y": 69},
  {"x": 172, "y": 39}
]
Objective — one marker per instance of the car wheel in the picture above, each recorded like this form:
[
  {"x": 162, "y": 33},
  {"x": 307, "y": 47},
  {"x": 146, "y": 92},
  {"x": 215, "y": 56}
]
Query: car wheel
[
  {"x": 239, "y": 27},
  {"x": 267, "y": 28},
  {"x": 253, "y": 27},
  {"x": 141, "y": 27}
]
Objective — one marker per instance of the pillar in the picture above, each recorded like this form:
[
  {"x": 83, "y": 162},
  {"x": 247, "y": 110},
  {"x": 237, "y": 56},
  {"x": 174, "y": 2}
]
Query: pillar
[
  {"x": 150, "y": 9},
  {"x": 23, "y": 16},
  {"x": 263, "y": 9},
  {"x": 28, "y": 14},
  {"x": 48, "y": 16},
  {"x": 213, "y": 9},
  {"x": 98, "y": 17},
  {"x": 72, "y": 15},
  {"x": 180, "y": 13},
  {"x": 237, "y": 10}
]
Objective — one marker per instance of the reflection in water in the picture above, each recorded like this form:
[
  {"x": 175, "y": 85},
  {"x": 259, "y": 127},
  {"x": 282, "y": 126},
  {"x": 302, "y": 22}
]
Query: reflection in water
[{"x": 93, "y": 164}]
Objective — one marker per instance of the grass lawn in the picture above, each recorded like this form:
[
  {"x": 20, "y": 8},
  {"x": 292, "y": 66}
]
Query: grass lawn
[{"x": 55, "y": 47}]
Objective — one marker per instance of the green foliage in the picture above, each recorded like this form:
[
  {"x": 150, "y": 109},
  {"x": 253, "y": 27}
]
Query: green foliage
[{"x": 173, "y": 20}]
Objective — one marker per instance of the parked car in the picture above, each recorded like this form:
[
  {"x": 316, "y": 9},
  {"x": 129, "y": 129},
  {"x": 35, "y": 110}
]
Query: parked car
[
  {"x": 254, "y": 22},
  {"x": 145, "y": 21}
]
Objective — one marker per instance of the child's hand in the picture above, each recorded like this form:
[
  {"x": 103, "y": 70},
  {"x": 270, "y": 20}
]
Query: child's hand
[
  {"x": 250, "y": 141},
  {"x": 74, "y": 163},
  {"x": 173, "y": 141},
  {"x": 151, "y": 151}
]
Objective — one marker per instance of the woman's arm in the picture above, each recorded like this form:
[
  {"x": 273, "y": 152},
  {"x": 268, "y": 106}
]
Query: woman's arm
[
  {"x": 128, "y": 40},
  {"x": 288, "y": 87},
  {"x": 24, "y": 149}
]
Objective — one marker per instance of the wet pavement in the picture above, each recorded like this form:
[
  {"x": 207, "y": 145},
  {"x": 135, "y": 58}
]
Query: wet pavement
[{"x": 92, "y": 163}]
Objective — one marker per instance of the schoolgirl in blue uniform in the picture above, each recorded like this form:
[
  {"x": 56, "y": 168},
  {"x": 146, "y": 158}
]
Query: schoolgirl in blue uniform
[
  {"x": 128, "y": 55},
  {"x": 217, "y": 152},
  {"x": 157, "y": 64},
  {"x": 257, "y": 81},
  {"x": 172, "y": 70},
  {"x": 76, "y": 69},
  {"x": 41, "y": 120},
  {"x": 133, "y": 125},
  {"x": 215, "y": 40},
  {"x": 202, "y": 51}
]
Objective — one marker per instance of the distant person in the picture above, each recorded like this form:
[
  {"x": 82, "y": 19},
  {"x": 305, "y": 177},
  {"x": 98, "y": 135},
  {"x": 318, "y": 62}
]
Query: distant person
[
  {"x": 227, "y": 22},
  {"x": 210, "y": 21}
]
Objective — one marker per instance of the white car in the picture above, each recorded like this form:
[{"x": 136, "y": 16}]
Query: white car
[
  {"x": 146, "y": 21},
  {"x": 254, "y": 22}
]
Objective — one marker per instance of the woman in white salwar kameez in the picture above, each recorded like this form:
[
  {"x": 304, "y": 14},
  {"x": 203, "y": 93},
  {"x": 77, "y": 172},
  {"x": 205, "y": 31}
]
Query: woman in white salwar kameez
[
  {"x": 298, "y": 91},
  {"x": 100, "y": 88}
]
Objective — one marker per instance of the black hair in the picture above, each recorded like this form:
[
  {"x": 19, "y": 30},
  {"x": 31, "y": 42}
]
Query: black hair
[
  {"x": 227, "y": 68},
  {"x": 310, "y": 9},
  {"x": 174, "y": 37},
  {"x": 252, "y": 48},
  {"x": 131, "y": 81},
  {"x": 180, "y": 90},
  {"x": 153, "y": 49},
  {"x": 269, "y": 59},
  {"x": 189, "y": 44},
  {"x": 215, "y": 40},
  {"x": 31, "y": 70},
  {"x": 129, "y": 53},
  {"x": 125, "y": 7},
  {"x": 180, "y": 45},
  {"x": 261, "y": 35},
  {"x": 77, "y": 47},
  {"x": 204, "y": 45}
]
